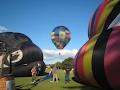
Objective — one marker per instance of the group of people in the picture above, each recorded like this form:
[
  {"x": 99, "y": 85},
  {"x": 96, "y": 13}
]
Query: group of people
[{"x": 53, "y": 73}]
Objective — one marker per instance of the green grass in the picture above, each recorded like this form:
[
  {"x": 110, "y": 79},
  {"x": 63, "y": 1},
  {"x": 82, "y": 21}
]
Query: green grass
[{"x": 23, "y": 83}]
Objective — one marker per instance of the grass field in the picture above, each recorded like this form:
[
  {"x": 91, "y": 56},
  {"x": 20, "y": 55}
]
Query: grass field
[{"x": 23, "y": 83}]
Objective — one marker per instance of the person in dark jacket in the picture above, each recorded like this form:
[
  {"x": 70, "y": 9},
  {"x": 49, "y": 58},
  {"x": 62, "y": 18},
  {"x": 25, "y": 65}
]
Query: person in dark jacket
[{"x": 67, "y": 74}]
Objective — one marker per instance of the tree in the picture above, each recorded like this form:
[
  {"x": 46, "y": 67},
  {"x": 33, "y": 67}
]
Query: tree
[
  {"x": 58, "y": 64},
  {"x": 52, "y": 65},
  {"x": 67, "y": 62}
]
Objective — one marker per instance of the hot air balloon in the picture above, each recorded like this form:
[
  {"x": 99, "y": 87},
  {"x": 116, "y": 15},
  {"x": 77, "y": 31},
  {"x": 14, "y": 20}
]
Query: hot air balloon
[
  {"x": 25, "y": 54},
  {"x": 97, "y": 63},
  {"x": 60, "y": 36}
]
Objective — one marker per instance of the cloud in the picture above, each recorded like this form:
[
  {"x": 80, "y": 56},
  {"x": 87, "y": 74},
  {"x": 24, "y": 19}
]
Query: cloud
[
  {"x": 3, "y": 29},
  {"x": 52, "y": 56}
]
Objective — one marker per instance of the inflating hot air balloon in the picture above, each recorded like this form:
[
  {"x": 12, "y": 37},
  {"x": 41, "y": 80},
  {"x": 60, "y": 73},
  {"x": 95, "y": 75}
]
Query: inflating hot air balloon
[
  {"x": 60, "y": 36},
  {"x": 98, "y": 62},
  {"x": 25, "y": 54}
]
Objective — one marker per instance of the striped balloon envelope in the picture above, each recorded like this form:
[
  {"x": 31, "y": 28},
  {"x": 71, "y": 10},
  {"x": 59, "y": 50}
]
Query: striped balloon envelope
[{"x": 98, "y": 62}]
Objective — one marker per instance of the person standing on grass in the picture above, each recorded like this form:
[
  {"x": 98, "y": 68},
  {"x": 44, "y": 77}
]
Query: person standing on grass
[
  {"x": 50, "y": 73},
  {"x": 67, "y": 74},
  {"x": 55, "y": 74},
  {"x": 34, "y": 73},
  {"x": 38, "y": 67}
]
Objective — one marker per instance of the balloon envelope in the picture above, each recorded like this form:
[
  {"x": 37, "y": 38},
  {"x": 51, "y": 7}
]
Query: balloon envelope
[
  {"x": 60, "y": 36},
  {"x": 25, "y": 54},
  {"x": 97, "y": 63}
]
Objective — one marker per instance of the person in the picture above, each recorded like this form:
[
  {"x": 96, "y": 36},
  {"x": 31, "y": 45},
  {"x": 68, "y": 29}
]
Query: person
[
  {"x": 38, "y": 67},
  {"x": 67, "y": 74},
  {"x": 55, "y": 74},
  {"x": 34, "y": 73},
  {"x": 50, "y": 73}
]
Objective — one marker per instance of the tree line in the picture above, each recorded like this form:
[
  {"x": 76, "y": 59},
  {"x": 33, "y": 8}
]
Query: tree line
[{"x": 68, "y": 62}]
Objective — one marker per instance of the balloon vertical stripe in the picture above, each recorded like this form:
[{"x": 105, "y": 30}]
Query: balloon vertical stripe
[
  {"x": 98, "y": 16},
  {"x": 92, "y": 24},
  {"x": 112, "y": 57},
  {"x": 80, "y": 64},
  {"x": 87, "y": 61},
  {"x": 98, "y": 59},
  {"x": 107, "y": 10},
  {"x": 115, "y": 11}
]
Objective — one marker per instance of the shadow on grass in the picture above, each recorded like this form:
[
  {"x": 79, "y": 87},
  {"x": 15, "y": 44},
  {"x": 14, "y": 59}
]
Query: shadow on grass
[
  {"x": 32, "y": 85},
  {"x": 24, "y": 87},
  {"x": 24, "y": 75},
  {"x": 81, "y": 88}
]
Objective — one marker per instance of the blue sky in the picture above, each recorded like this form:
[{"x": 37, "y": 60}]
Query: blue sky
[{"x": 37, "y": 18}]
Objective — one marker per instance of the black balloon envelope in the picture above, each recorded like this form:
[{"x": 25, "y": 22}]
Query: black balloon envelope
[{"x": 22, "y": 52}]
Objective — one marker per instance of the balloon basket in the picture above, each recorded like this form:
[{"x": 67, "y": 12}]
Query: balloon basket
[
  {"x": 60, "y": 52},
  {"x": 7, "y": 82}
]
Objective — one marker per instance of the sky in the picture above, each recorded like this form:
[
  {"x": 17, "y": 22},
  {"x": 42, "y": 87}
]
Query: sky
[{"x": 37, "y": 19}]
